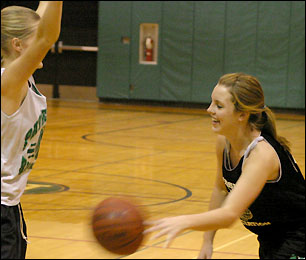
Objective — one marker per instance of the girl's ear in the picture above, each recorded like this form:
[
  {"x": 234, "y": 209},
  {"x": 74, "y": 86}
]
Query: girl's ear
[
  {"x": 16, "y": 44},
  {"x": 244, "y": 116}
]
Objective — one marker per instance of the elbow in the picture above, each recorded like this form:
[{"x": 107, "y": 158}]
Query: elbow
[
  {"x": 47, "y": 42},
  {"x": 49, "y": 38},
  {"x": 230, "y": 219},
  {"x": 53, "y": 38},
  {"x": 48, "y": 34}
]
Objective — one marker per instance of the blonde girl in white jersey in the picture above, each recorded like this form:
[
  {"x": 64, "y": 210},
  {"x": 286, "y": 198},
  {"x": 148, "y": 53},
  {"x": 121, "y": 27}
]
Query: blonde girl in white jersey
[{"x": 26, "y": 37}]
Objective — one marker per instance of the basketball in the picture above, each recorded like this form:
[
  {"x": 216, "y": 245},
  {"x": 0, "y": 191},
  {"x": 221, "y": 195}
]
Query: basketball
[{"x": 118, "y": 225}]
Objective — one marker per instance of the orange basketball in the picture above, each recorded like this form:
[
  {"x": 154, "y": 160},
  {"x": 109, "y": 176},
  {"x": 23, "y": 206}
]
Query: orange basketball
[{"x": 118, "y": 225}]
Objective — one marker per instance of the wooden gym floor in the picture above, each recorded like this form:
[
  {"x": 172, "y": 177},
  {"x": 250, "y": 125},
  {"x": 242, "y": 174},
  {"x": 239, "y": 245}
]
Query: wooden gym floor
[{"x": 162, "y": 157}]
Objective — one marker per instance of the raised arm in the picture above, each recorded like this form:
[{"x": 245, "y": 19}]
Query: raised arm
[
  {"x": 41, "y": 8},
  {"x": 20, "y": 68}
]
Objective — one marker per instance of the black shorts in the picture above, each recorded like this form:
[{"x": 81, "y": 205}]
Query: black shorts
[
  {"x": 13, "y": 245},
  {"x": 286, "y": 245}
]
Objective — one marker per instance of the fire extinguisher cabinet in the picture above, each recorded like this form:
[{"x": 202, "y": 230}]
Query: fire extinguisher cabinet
[{"x": 148, "y": 43}]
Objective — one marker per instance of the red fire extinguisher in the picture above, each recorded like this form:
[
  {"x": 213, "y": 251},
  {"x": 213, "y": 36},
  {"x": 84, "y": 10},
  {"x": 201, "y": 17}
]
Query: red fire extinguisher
[{"x": 149, "y": 48}]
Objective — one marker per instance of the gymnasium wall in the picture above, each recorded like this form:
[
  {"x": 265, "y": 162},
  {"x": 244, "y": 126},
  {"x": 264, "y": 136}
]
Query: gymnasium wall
[{"x": 198, "y": 41}]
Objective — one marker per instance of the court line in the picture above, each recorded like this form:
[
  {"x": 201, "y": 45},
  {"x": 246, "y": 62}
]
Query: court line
[
  {"x": 228, "y": 244},
  {"x": 233, "y": 242},
  {"x": 145, "y": 247},
  {"x": 198, "y": 250},
  {"x": 165, "y": 123}
]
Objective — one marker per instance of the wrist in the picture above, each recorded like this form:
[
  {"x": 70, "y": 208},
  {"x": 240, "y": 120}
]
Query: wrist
[{"x": 208, "y": 237}]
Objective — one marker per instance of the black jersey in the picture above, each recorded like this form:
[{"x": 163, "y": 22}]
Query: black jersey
[{"x": 281, "y": 203}]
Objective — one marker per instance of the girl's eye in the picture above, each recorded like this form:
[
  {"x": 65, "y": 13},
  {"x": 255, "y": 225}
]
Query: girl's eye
[{"x": 218, "y": 106}]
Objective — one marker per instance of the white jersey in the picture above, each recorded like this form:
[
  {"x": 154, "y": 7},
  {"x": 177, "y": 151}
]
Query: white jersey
[{"x": 21, "y": 134}]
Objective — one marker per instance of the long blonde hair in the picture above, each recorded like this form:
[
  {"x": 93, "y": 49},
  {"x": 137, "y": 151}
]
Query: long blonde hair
[
  {"x": 248, "y": 96},
  {"x": 16, "y": 22}
]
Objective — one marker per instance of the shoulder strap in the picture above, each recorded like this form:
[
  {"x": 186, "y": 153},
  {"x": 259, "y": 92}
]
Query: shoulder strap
[{"x": 252, "y": 146}]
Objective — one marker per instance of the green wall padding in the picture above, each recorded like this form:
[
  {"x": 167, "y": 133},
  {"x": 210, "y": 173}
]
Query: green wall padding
[
  {"x": 272, "y": 50},
  {"x": 176, "y": 57},
  {"x": 146, "y": 79},
  {"x": 208, "y": 44},
  {"x": 295, "y": 94},
  {"x": 199, "y": 41},
  {"x": 113, "y": 68},
  {"x": 240, "y": 37}
]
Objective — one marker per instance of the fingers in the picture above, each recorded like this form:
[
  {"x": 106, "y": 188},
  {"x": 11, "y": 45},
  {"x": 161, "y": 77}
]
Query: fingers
[
  {"x": 162, "y": 233},
  {"x": 149, "y": 230},
  {"x": 155, "y": 226},
  {"x": 159, "y": 234},
  {"x": 149, "y": 222},
  {"x": 168, "y": 241},
  {"x": 164, "y": 227}
]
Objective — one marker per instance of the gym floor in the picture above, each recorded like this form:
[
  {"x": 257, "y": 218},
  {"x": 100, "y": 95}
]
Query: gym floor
[{"x": 163, "y": 157}]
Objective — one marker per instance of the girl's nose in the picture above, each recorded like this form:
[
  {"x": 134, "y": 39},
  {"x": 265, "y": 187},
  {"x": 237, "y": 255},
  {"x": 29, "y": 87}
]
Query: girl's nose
[{"x": 209, "y": 109}]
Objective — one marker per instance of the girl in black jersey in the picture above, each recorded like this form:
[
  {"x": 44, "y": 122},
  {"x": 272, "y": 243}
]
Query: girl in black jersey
[{"x": 257, "y": 178}]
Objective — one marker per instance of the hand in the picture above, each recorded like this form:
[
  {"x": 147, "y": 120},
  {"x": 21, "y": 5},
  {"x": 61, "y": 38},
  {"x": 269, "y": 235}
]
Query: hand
[
  {"x": 206, "y": 251},
  {"x": 167, "y": 226}
]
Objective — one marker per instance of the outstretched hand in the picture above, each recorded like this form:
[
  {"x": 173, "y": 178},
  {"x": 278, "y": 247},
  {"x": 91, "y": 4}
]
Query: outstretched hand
[{"x": 167, "y": 226}]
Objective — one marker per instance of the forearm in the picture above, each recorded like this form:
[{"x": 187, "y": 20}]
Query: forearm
[
  {"x": 217, "y": 198},
  {"x": 50, "y": 23},
  {"x": 211, "y": 220},
  {"x": 41, "y": 8}
]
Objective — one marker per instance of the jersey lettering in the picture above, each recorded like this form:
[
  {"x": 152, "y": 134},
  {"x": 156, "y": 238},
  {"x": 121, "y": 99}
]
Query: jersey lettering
[
  {"x": 31, "y": 155},
  {"x": 37, "y": 126}
]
